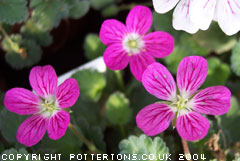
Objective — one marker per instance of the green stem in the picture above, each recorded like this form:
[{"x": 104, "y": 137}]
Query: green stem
[
  {"x": 123, "y": 132},
  {"x": 119, "y": 78},
  {"x": 15, "y": 47},
  {"x": 90, "y": 145}
]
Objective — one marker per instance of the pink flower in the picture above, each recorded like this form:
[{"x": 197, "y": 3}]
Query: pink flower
[
  {"x": 183, "y": 105},
  {"x": 130, "y": 44},
  {"x": 46, "y": 105}
]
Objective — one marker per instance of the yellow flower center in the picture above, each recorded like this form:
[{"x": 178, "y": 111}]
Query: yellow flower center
[
  {"x": 132, "y": 43},
  {"x": 49, "y": 106},
  {"x": 181, "y": 103}
]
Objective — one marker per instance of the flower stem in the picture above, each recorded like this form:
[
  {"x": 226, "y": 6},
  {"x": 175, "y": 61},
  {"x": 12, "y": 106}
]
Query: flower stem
[
  {"x": 123, "y": 132},
  {"x": 119, "y": 78},
  {"x": 15, "y": 47},
  {"x": 186, "y": 149},
  {"x": 90, "y": 145}
]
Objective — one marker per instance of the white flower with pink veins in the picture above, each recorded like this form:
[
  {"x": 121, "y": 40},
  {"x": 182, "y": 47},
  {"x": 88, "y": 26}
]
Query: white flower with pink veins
[{"x": 192, "y": 15}]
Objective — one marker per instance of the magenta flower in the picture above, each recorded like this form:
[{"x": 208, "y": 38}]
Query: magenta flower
[
  {"x": 183, "y": 105},
  {"x": 46, "y": 105},
  {"x": 130, "y": 44}
]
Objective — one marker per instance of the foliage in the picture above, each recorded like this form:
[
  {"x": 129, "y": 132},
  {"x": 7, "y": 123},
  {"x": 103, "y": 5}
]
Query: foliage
[
  {"x": 91, "y": 83},
  {"x": 215, "y": 66},
  {"x": 13, "y": 11},
  {"x": 144, "y": 145},
  {"x": 93, "y": 46},
  {"x": 118, "y": 103},
  {"x": 9, "y": 123},
  {"x": 235, "y": 59}
]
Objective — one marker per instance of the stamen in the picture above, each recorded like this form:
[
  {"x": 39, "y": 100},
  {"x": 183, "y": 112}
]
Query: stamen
[
  {"x": 133, "y": 43},
  {"x": 49, "y": 107}
]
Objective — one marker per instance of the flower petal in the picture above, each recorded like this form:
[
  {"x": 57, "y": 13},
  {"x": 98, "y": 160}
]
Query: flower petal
[
  {"x": 67, "y": 93},
  {"x": 139, "y": 20},
  {"x": 202, "y": 13},
  {"x": 112, "y": 31},
  {"x": 32, "y": 130},
  {"x": 21, "y": 101},
  {"x": 159, "y": 44},
  {"x": 115, "y": 57},
  {"x": 163, "y": 6},
  {"x": 154, "y": 119},
  {"x": 212, "y": 101},
  {"x": 192, "y": 72},
  {"x": 139, "y": 62},
  {"x": 192, "y": 126},
  {"x": 58, "y": 124},
  {"x": 43, "y": 80},
  {"x": 159, "y": 82},
  {"x": 228, "y": 16},
  {"x": 181, "y": 18}
]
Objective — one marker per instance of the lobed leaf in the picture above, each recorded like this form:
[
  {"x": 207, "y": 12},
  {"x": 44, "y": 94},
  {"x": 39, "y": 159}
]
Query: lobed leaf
[
  {"x": 117, "y": 109},
  {"x": 9, "y": 123},
  {"x": 79, "y": 8},
  {"x": 47, "y": 14},
  {"x": 144, "y": 145},
  {"x": 31, "y": 31},
  {"x": 93, "y": 46},
  {"x": 13, "y": 11},
  {"x": 91, "y": 83}
]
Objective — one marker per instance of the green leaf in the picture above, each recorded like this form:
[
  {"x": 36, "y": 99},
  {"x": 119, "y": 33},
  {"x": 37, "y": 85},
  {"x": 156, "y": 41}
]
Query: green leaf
[
  {"x": 31, "y": 31},
  {"x": 143, "y": 145},
  {"x": 9, "y": 123},
  {"x": 110, "y": 11},
  {"x": 66, "y": 145},
  {"x": 193, "y": 46},
  {"x": 79, "y": 8},
  {"x": 235, "y": 59},
  {"x": 91, "y": 83},
  {"x": 175, "y": 57},
  {"x": 187, "y": 46},
  {"x": 139, "y": 96},
  {"x": 13, "y": 11},
  {"x": 230, "y": 122},
  {"x": 93, "y": 133},
  {"x": 9, "y": 154},
  {"x": 215, "y": 40},
  {"x": 215, "y": 66},
  {"x": 88, "y": 110},
  {"x": 47, "y": 14},
  {"x": 97, "y": 5},
  {"x": 93, "y": 46},
  {"x": 117, "y": 109},
  {"x": 22, "y": 53}
]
